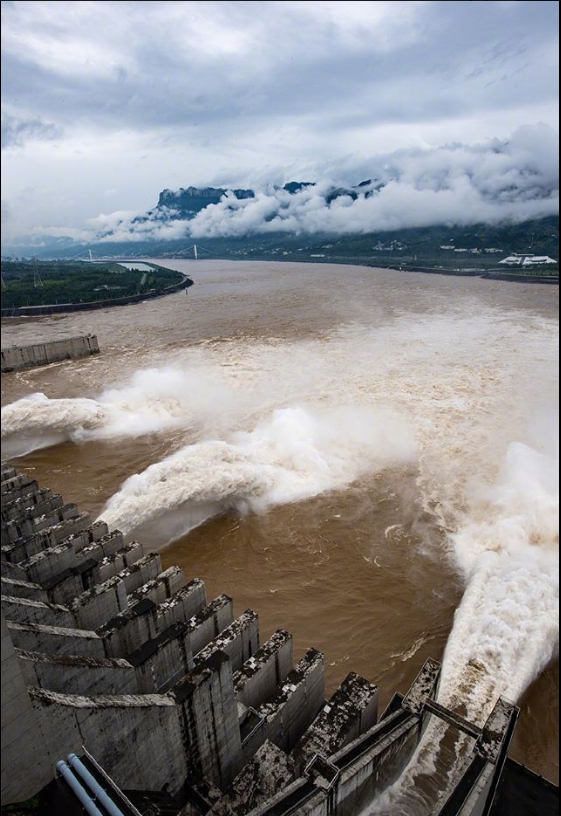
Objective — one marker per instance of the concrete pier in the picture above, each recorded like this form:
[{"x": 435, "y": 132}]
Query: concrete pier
[{"x": 15, "y": 358}]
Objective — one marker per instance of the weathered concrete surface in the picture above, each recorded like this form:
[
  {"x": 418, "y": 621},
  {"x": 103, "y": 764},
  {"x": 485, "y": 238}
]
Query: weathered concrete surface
[
  {"x": 269, "y": 771},
  {"x": 71, "y": 552},
  {"x": 162, "y": 661},
  {"x": 24, "y": 548},
  {"x": 12, "y": 507},
  {"x": 211, "y": 720},
  {"x": 24, "y": 589},
  {"x": 472, "y": 789},
  {"x": 29, "y": 523},
  {"x": 296, "y": 703},
  {"x": 262, "y": 673},
  {"x": 56, "y": 640},
  {"x": 73, "y": 674},
  {"x": 25, "y": 765},
  {"x": 22, "y": 610},
  {"x": 66, "y": 586},
  {"x": 239, "y": 641},
  {"x": 351, "y": 711},
  {"x": 17, "y": 357},
  {"x": 144, "y": 620},
  {"x": 125, "y": 733},
  {"x": 14, "y": 487}
]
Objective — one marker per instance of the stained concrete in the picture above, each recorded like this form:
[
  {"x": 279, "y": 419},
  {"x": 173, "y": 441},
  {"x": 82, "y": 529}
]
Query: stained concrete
[{"x": 16, "y": 358}]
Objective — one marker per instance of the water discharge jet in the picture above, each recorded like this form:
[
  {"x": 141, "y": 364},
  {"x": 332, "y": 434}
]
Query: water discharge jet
[
  {"x": 297, "y": 454},
  {"x": 506, "y": 629}
]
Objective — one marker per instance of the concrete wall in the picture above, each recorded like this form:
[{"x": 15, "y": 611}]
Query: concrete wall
[
  {"x": 145, "y": 619},
  {"x": 26, "y": 767},
  {"x": 71, "y": 552},
  {"x": 258, "y": 679},
  {"x": 164, "y": 660},
  {"x": 124, "y": 733},
  {"x": 25, "y": 548},
  {"x": 296, "y": 703},
  {"x": 364, "y": 779},
  {"x": 211, "y": 720},
  {"x": 33, "y": 637},
  {"x": 23, "y": 589},
  {"x": 239, "y": 640},
  {"x": 72, "y": 674},
  {"x": 30, "y": 524},
  {"x": 18, "y": 357},
  {"x": 15, "y": 487},
  {"x": 13, "y": 509},
  {"x": 22, "y": 610},
  {"x": 473, "y": 787},
  {"x": 351, "y": 711},
  {"x": 355, "y": 785}
]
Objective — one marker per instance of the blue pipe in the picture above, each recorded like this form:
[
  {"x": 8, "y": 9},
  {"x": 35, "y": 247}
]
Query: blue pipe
[
  {"x": 100, "y": 794},
  {"x": 75, "y": 785}
]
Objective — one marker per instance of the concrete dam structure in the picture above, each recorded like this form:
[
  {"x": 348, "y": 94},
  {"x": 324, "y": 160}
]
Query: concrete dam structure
[
  {"x": 126, "y": 691},
  {"x": 15, "y": 358}
]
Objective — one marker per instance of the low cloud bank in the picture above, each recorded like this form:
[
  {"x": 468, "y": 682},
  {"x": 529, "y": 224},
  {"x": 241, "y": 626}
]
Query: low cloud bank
[{"x": 512, "y": 180}]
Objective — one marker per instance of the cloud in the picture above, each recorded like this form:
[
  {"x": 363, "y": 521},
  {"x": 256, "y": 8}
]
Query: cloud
[
  {"x": 15, "y": 132},
  {"x": 161, "y": 225},
  {"x": 6, "y": 212},
  {"x": 140, "y": 97},
  {"x": 512, "y": 180}
]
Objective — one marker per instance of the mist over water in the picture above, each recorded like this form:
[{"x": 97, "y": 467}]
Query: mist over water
[{"x": 419, "y": 394}]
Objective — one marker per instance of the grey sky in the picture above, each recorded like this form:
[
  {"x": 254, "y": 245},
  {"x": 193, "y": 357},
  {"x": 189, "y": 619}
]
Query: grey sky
[{"x": 106, "y": 103}]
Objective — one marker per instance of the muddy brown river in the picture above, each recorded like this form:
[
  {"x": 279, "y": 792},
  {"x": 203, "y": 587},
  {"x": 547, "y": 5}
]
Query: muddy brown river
[{"x": 366, "y": 458}]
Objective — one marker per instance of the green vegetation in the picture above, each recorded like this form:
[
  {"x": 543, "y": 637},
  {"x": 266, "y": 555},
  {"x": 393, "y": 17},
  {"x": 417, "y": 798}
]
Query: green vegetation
[{"x": 37, "y": 283}]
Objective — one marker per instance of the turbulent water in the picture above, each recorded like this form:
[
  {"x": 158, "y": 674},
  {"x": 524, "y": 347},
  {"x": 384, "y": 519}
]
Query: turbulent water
[{"x": 366, "y": 458}]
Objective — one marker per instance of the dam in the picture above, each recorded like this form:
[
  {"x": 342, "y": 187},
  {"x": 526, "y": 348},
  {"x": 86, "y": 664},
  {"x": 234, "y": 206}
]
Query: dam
[{"x": 126, "y": 690}]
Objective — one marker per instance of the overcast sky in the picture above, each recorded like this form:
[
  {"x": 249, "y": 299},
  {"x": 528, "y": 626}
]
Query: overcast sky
[{"x": 104, "y": 104}]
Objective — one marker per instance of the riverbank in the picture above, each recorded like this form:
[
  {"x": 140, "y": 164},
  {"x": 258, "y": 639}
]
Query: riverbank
[
  {"x": 62, "y": 308},
  {"x": 486, "y": 274}
]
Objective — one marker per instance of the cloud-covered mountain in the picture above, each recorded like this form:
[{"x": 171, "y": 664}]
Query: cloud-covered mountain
[{"x": 499, "y": 181}]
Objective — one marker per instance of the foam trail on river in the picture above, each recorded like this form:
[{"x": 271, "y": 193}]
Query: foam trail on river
[
  {"x": 296, "y": 454},
  {"x": 153, "y": 401}
]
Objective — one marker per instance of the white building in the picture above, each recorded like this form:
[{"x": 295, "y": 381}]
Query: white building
[{"x": 528, "y": 260}]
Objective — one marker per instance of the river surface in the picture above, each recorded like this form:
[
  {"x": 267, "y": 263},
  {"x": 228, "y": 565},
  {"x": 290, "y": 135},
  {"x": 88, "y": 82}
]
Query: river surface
[{"x": 356, "y": 454}]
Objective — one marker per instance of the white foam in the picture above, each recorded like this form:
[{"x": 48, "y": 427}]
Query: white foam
[
  {"x": 296, "y": 454},
  {"x": 153, "y": 401},
  {"x": 508, "y": 550}
]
